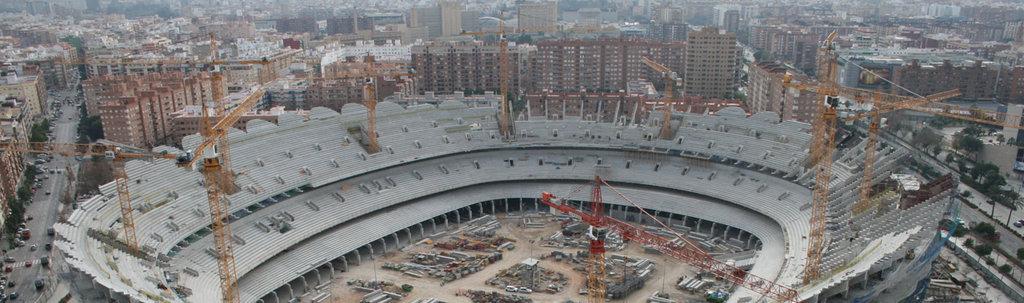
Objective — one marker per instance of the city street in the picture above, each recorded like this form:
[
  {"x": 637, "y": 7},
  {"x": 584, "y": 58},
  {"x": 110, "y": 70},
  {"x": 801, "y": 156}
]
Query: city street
[{"x": 44, "y": 211}]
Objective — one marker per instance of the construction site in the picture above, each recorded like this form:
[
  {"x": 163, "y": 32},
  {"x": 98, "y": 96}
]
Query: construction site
[
  {"x": 470, "y": 202},
  {"x": 539, "y": 259}
]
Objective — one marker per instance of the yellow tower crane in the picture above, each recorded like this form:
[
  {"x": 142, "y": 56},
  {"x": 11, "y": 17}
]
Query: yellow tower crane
[
  {"x": 217, "y": 93},
  {"x": 823, "y": 142},
  {"x": 671, "y": 79},
  {"x": 505, "y": 118},
  {"x": 212, "y": 174}
]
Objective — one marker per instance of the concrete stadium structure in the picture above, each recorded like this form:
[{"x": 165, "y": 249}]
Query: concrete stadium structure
[{"x": 313, "y": 202}]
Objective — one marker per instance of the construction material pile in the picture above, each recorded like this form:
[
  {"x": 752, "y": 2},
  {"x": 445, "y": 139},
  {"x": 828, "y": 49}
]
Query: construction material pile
[
  {"x": 387, "y": 288},
  {"x": 624, "y": 275},
  {"x": 527, "y": 277},
  {"x": 446, "y": 266},
  {"x": 574, "y": 235},
  {"x": 480, "y": 296},
  {"x": 477, "y": 235}
]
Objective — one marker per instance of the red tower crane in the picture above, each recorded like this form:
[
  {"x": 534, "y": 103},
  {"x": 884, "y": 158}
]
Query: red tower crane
[{"x": 687, "y": 251}]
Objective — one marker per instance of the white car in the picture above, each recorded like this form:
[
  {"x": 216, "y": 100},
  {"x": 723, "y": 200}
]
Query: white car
[{"x": 511, "y": 288}]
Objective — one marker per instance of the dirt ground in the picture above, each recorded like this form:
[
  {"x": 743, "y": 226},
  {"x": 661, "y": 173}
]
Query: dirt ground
[{"x": 668, "y": 271}]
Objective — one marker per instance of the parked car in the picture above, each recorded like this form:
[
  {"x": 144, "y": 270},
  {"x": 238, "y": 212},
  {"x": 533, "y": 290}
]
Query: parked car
[
  {"x": 1019, "y": 223},
  {"x": 28, "y": 263}
]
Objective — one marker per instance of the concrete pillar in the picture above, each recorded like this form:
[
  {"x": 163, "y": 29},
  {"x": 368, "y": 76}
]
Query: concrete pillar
[
  {"x": 277, "y": 298},
  {"x": 727, "y": 230},
  {"x": 359, "y": 260},
  {"x": 291, "y": 292},
  {"x": 383, "y": 245},
  {"x": 446, "y": 222},
  {"x": 344, "y": 263},
  {"x": 618, "y": 107},
  {"x": 521, "y": 210},
  {"x": 330, "y": 265},
  {"x": 433, "y": 226},
  {"x": 492, "y": 208},
  {"x": 319, "y": 279},
  {"x": 305, "y": 285},
  {"x": 458, "y": 217},
  {"x": 669, "y": 223},
  {"x": 397, "y": 243},
  {"x": 749, "y": 244},
  {"x": 713, "y": 226}
]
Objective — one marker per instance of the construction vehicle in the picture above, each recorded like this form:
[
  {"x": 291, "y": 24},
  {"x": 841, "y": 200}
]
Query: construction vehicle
[
  {"x": 671, "y": 79},
  {"x": 687, "y": 251}
]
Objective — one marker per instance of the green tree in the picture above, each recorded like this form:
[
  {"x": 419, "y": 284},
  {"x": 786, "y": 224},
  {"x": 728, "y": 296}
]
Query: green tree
[
  {"x": 969, "y": 145},
  {"x": 1005, "y": 268},
  {"x": 926, "y": 137},
  {"x": 983, "y": 250},
  {"x": 1020, "y": 253},
  {"x": 89, "y": 128},
  {"x": 985, "y": 229},
  {"x": 39, "y": 131}
]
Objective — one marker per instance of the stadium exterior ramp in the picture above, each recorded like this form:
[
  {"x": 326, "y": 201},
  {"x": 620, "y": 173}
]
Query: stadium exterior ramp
[{"x": 313, "y": 202}]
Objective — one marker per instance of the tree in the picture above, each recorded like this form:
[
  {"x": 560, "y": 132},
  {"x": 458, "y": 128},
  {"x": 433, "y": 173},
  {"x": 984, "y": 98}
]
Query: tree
[
  {"x": 985, "y": 229},
  {"x": 966, "y": 194},
  {"x": 89, "y": 128},
  {"x": 1020, "y": 253},
  {"x": 983, "y": 250},
  {"x": 969, "y": 243},
  {"x": 969, "y": 145},
  {"x": 39, "y": 131},
  {"x": 926, "y": 137},
  {"x": 1005, "y": 268}
]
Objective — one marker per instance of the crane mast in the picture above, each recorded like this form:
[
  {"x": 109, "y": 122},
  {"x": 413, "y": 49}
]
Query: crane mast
[
  {"x": 670, "y": 79},
  {"x": 596, "y": 274},
  {"x": 222, "y": 230},
  {"x": 822, "y": 150},
  {"x": 505, "y": 119}
]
